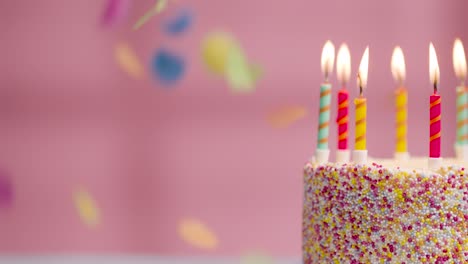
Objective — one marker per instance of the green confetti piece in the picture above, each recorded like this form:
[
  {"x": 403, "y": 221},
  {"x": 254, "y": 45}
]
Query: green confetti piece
[
  {"x": 158, "y": 8},
  {"x": 238, "y": 71}
]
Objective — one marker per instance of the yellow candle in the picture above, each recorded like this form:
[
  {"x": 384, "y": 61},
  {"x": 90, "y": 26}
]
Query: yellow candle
[
  {"x": 361, "y": 124},
  {"x": 361, "y": 104},
  {"x": 401, "y": 100},
  {"x": 401, "y": 117}
]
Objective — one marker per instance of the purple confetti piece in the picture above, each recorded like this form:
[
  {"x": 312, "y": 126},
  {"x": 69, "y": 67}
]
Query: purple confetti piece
[
  {"x": 115, "y": 11},
  {"x": 6, "y": 191}
]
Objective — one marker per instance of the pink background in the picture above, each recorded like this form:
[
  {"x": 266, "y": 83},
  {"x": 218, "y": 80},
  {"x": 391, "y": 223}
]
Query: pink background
[{"x": 151, "y": 156}]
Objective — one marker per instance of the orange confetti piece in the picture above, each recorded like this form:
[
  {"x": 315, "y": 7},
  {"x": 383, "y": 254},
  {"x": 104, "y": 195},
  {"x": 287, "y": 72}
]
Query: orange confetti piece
[
  {"x": 197, "y": 234},
  {"x": 286, "y": 116},
  {"x": 128, "y": 61},
  {"x": 87, "y": 208}
]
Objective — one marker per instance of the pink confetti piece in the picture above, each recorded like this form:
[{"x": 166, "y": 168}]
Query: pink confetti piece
[
  {"x": 115, "y": 11},
  {"x": 6, "y": 191}
]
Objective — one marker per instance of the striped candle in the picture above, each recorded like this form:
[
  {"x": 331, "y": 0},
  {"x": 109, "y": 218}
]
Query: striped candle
[
  {"x": 342, "y": 119},
  {"x": 401, "y": 120},
  {"x": 324, "y": 116},
  {"x": 435, "y": 126},
  {"x": 435, "y": 109},
  {"x": 361, "y": 116},
  {"x": 462, "y": 115}
]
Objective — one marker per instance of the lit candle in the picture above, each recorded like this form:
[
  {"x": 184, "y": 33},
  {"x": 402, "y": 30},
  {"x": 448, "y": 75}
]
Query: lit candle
[
  {"x": 401, "y": 100},
  {"x": 435, "y": 112},
  {"x": 360, "y": 152},
  {"x": 343, "y": 70},
  {"x": 459, "y": 65},
  {"x": 327, "y": 61}
]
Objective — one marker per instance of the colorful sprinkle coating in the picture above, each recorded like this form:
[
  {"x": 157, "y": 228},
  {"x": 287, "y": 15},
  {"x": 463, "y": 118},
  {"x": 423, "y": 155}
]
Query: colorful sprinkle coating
[{"x": 371, "y": 214}]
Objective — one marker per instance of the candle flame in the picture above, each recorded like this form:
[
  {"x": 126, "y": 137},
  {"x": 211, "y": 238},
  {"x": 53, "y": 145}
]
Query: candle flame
[
  {"x": 328, "y": 58},
  {"x": 343, "y": 64},
  {"x": 363, "y": 70},
  {"x": 398, "y": 65},
  {"x": 459, "y": 60},
  {"x": 434, "y": 72}
]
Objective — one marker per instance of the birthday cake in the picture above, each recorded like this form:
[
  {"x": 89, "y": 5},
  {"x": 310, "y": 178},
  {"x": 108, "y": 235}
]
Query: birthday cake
[
  {"x": 385, "y": 214},
  {"x": 407, "y": 210}
]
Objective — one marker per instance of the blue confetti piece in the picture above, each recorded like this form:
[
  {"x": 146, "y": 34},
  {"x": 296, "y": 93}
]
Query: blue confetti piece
[
  {"x": 179, "y": 24},
  {"x": 167, "y": 67}
]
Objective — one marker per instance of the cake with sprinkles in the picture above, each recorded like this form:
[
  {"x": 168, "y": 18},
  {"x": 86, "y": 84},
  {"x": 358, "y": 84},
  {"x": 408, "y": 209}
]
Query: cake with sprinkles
[{"x": 381, "y": 213}]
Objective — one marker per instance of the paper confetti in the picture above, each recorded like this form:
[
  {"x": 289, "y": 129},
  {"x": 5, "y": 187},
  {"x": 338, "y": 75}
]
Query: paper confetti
[
  {"x": 215, "y": 50},
  {"x": 286, "y": 116},
  {"x": 128, "y": 61},
  {"x": 238, "y": 71},
  {"x": 197, "y": 234},
  {"x": 167, "y": 67},
  {"x": 179, "y": 24},
  {"x": 156, "y": 9},
  {"x": 115, "y": 11},
  {"x": 87, "y": 208},
  {"x": 256, "y": 258},
  {"x": 6, "y": 191}
]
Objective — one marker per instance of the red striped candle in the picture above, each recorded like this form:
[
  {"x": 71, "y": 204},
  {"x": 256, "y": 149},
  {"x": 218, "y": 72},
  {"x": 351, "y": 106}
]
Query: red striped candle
[
  {"x": 435, "y": 126},
  {"x": 342, "y": 119},
  {"x": 435, "y": 109}
]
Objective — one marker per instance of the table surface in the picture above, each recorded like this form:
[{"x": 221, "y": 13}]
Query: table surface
[{"x": 70, "y": 259}]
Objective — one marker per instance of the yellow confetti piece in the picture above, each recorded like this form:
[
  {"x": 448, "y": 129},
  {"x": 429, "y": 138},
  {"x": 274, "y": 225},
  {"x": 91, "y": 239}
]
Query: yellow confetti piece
[
  {"x": 215, "y": 50},
  {"x": 197, "y": 234},
  {"x": 87, "y": 208},
  {"x": 128, "y": 61},
  {"x": 256, "y": 258},
  {"x": 286, "y": 116},
  {"x": 156, "y": 9}
]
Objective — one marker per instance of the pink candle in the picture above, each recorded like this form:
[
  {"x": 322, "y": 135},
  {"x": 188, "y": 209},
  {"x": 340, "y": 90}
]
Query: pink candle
[
  {"x": 435, "y": 109},
  {"x": 342, "y": 119},
  {"x": 435, "y": 126}
]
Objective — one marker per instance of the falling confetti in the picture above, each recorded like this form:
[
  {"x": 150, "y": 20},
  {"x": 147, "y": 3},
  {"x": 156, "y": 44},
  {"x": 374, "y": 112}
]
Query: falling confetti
[
  {"x": 87, "y": 208},
  {"x": 224, "y": 56},
  {"x": 215, "y": 50},
  {"x": 238, "y": 71},
  {"x": 6, "y": 191},
  {"x": 156, "y": 9},
  {"x": 128, "y": 61},
  {"x": 197, "y": 234},
  {"x": 179, "y": 24},
  {"x": 167, "y": 67},
  {"x": 115, "y": 11},
  {"x": 256, "y": 258},
  {"x": 286, "y": 116}
]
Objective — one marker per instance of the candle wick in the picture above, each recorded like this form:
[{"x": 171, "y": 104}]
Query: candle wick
[
  {"x": 360, "y": 84},
  {"x": 435, "y": 87}
]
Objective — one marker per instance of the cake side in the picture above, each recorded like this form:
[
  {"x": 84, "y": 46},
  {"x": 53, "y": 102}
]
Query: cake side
[{"x": 373, "y": 214}]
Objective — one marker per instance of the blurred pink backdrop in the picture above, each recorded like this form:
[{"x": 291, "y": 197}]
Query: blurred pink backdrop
[{"x": 151, "y": 155}]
